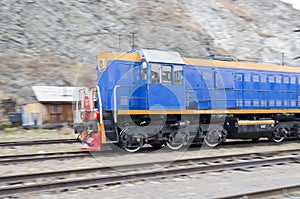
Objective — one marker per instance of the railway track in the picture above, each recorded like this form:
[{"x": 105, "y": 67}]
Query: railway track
[
  {"x": 38, "y": 142},
  {"x": 16, "y": 159},
  {"x": 23, "y": 158},
  {"x": 265, "y": 193},
  {"x": 98, "y": 176},
  {"x": 243, "y": 143}
]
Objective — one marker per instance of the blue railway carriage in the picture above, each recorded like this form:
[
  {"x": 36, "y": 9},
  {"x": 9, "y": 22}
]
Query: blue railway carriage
[{"x": 160, "y": 98}]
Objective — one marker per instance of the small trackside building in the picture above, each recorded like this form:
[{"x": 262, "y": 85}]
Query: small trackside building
[{"x": 53, "y": 105}]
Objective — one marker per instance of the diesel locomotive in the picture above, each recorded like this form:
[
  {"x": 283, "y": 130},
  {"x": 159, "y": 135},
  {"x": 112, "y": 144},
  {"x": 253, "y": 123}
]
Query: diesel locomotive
[{"x": 161, "y": 99}]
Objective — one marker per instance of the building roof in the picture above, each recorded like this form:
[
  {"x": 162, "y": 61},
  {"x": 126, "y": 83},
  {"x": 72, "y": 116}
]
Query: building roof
[{"x": 53, "y": 93}]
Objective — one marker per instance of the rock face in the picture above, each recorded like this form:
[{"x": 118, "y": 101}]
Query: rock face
[
  {"x": 250, "y": 29},
  {"x": 45, "y": 42}
]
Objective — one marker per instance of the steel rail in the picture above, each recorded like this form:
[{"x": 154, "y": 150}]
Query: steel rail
[
  {"x": 38, "y": 142},
  {"x": 244, "y": 156},
  {"x": 265, "y": 193},
  {"x": 9, "y": 159},
  {"x": 174, "y": 169}
]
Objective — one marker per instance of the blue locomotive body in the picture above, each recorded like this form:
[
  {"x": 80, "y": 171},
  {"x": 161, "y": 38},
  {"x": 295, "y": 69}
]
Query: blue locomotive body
[
  {"x": 241, "y": 88},
  {"x": 191, "y": 95},
  {"x": 187, "y": 86}
]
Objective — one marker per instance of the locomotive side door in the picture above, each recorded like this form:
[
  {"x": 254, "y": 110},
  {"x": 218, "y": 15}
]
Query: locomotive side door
[{"x": 166, "y": 87}]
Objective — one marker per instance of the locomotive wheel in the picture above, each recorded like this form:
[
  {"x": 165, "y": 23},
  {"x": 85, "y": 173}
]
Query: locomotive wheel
[
  {"x": 132, "y": 149},
  {"x": 212, "y": 138},
  {"x": 127, "y": 146},
  {"x": 174, "y": 146},
  {"x": 174, "y": 143},
  {"x": 277, "y": 139},
  {"x": 278, "y": 135},
  {"x": 126, "y": 142}
]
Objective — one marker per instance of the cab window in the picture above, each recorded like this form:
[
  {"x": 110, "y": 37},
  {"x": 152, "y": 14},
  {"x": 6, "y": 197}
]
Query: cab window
[
  {"x": 178, "y": 74},
  {"x": 155, "y": 73},
  {"x": 167, "y": 74}
]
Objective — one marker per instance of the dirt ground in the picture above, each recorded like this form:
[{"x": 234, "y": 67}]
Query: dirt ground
[{"x": 21, "y": 134}]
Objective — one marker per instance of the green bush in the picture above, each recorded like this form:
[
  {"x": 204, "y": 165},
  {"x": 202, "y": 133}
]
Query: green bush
[
  {"x": 5, "y": 125},
  {"x": 8, "y": 130}
]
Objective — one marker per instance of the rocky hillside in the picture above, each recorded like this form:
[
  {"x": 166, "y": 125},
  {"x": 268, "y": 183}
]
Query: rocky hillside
[{"x": 49, "y": 42}]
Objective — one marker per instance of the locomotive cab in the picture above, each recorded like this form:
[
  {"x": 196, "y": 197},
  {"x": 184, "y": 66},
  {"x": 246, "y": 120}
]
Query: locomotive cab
[{"x": 165, "y": 80}]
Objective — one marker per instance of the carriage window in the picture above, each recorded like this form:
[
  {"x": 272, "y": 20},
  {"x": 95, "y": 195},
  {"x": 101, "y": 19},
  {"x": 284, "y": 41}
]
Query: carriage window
[
  {"x": 167, "y": 74},
  {"x": 255, "y": 78},
  {"x": 293, "y": 80},
  {"x": 144, "y": 71},
  {"x": 178, "y": 74},
  {"x": 271, "y": 79},
  {"x": 286, "y": 79},
  {"x": 155, "y": 73},
  {"x": 278, "y": 79},
  {"x": 247, "y": 77}
]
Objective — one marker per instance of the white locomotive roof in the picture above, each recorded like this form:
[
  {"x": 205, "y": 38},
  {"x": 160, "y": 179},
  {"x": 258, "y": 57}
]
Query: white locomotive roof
[
  {"x": 162, "y": 56},
  {"x": 54, "y": 93}
]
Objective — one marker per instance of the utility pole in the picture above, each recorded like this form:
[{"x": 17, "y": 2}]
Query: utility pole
[
  {"x": 297, "y": 30},
  {"x": 119, "y": 43},
  {"x": 133, "y": 41}
]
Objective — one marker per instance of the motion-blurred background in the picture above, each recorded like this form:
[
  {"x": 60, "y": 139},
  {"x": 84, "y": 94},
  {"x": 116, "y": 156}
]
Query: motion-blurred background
[{"x": 54, "y": 43}]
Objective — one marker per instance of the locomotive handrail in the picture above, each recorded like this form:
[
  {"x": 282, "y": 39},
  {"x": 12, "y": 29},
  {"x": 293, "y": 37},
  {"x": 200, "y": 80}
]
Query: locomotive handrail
[
  {"x": 132, "y": 86},
  {"x": 115, "y": 102},
  {"x": 244, "y": 89},
  {"x": 77, "y": 111},
  {"x": 100, "y": 104}
]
